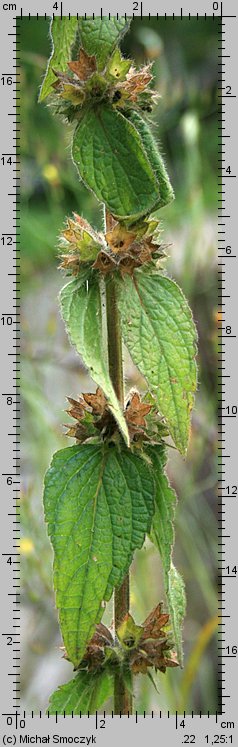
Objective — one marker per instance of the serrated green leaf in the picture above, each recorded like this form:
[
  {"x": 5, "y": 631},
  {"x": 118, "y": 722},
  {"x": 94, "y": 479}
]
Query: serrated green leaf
[
  {"x": 110, "y": 158},
  {"x": 81, "y": 310},
  {"x": 162, "y": 534},
  {"x": 62, "y": 32},
  {"x": 84, "y": 694},
  {"x": 99, "y": 36},
  {"x": 159, "y": 332},
  {"x": 134, "y": 486},
  {"x": 162, "y": 531},
  {"x": 166, "y": 193},
  {"x": 98, "y": 504}
]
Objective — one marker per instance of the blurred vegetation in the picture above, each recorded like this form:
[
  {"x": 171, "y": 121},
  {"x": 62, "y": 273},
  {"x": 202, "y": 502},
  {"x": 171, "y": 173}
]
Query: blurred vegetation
[{"x": 185, "y": 67}]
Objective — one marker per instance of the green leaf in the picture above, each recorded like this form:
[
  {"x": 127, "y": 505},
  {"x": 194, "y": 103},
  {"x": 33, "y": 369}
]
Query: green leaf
[
  {"x": 81, "y": 310},
  {"x": 84, "y": 694},
  {"x": 162, "y": 534},
  {"x": 62, "y": 32},
  {"x": 100, "y": 36},
  {"x": 162, "y": 531},
  {"x": 108, "y": 153},
  {"x": 98, "y": 504},
  {"x": 177, "y": 607},
  {"x": 166, "y": 193},
  {"x": 159, "y": 332},
  {"x": 132, "y": 508}
]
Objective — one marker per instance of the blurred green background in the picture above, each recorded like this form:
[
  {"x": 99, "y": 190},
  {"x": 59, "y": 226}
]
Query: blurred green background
[{"x": 185, "y": 67}]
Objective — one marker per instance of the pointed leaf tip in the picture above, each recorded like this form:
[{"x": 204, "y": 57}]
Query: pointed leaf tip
[
  {"x": 162, "y": 535},
  {"x": 159, "y": 332},
  {"x": 98, "y": 505},
  {"x": 111, "y": 161},
  {"x": 62, "y": 33}
]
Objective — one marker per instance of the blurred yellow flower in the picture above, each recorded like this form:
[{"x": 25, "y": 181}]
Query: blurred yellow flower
[
  {"x": 26, "y": 546},
  {"x": 217, "y": 314},
  {"x": 51, "y": 174}
]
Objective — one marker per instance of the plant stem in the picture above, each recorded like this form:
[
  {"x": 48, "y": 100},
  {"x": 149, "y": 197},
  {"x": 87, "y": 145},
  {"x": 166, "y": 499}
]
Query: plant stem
[
  {"x": 122, "y": 698},
  {"x": 114, "y": 340}
]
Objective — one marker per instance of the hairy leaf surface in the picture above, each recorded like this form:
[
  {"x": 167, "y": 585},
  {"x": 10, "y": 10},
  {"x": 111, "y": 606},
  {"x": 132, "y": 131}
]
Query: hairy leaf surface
[
  {"x": 98, "y": 504},
  {"x": 84, "y": 694},
  {"x": 81, "y": 310},
  {"x": 63, "y": 32},
  {"x": 134, "y": 486},
  {"x": 108, "y": 152},
  {"x": 177, "y": 606},
  {"x": 159, "y": 332},
  {"x": 166, "y": 193},
  {"x": 99, "y": 36},
  {"x": 162, "y": 534}
]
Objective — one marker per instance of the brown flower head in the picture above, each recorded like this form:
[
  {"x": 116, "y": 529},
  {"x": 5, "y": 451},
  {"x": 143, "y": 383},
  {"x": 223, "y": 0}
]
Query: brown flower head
[
  {"x": 135, "y": 414},
  {"x": 92, "y": 416},
  {"x": 72, "y": 88},
  {"x": 104, "y": 263},
  {"x": 84, "y": 66},
  {"x": 134, "y": 88},
  {"x": 135, "y": 647},
  {"x": 129, "y": 248},
  {"x": 154, "y": 647},
  {"x": 97, "y": 648},
  {"x": 80, "y": 244},
  {"x": 119, "y": 84},
  {"x": 96, "y": 401},
  {"x": 119, "y": 239},
  {"x": 137, "y": 82}
]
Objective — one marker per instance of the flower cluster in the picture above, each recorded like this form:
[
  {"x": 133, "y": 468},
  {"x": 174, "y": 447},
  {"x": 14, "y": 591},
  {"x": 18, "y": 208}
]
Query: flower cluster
[
  {"x": 136, "y": 648},
  {"x": 91, "y": 414},
  {"x": 119, "y": 83},
  {"x": 93, "y": 419},
  {"x": 79, "y": 245},
  {"x": 121, "y": 248}
]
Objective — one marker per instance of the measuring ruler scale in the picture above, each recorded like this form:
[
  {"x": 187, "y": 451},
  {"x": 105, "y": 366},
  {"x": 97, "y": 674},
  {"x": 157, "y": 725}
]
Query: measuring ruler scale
[{"x": 207, "y": 728}]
